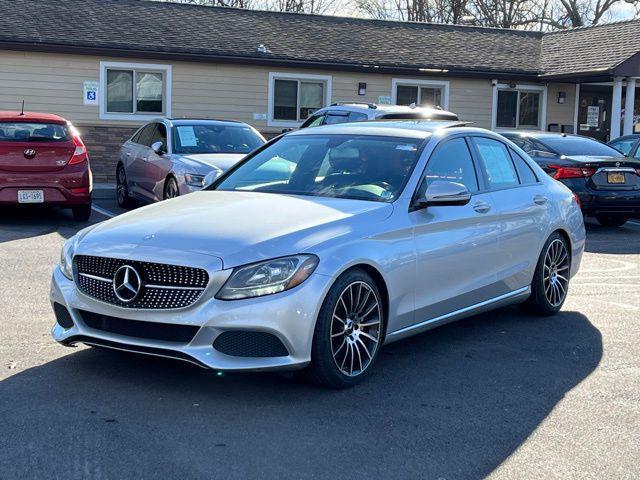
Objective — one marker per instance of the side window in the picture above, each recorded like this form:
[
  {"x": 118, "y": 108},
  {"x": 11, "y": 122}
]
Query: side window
[
  {"x": 138, "y": 134},
  {"x": 313, "y": 121},
  {"x": 159, "y": 135},
  {"x": 525, "y": 172},
  {"x": 358, "y": 117},
  {"x": 333, "y": 118},
  {"x": 496, "y": 163},
  {"x": 145, "y": 135},
  {"x": 624, "y": 145},
  {"x": 451, "y": 161}
]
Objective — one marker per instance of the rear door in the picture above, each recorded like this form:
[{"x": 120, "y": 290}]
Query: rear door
[
  {"x": 34, "y": 146},
  {"x": 522, "y": 202}
]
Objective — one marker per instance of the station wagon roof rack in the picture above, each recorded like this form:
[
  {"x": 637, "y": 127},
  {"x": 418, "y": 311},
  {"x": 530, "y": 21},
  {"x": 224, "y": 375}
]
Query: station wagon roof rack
[{"x": 370, "y": 105}]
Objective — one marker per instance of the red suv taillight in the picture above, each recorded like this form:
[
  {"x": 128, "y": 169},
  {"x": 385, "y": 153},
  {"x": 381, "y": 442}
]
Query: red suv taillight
[
  {"x": 80, "y": 154},
  {"x": 571, "y": 172}
]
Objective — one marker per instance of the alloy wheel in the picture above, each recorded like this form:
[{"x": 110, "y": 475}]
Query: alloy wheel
[
  {"x": 556, "y": 272},
  {"x": 171, "y": 190},
  {"x": 356, "y": 328},
  {"x": 122, "y": 186}
]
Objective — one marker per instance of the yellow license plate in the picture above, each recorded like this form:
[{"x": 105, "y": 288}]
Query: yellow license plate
[{"x": 615, "y": 177}]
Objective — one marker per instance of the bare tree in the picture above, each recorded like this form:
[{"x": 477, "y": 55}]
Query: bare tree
[{"x": 219, "y": 3}]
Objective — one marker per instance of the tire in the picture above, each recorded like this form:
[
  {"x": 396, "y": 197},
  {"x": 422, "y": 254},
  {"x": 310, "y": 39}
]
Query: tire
[
  {"x": 612, "y": 220},
  {"x": 171, "y": 189},
  {"x": 81, "y": 213},
  {"x": 336, "y": 333},
  {"x": 122, "y": 190},
  {"x": 551, "y": 278}
]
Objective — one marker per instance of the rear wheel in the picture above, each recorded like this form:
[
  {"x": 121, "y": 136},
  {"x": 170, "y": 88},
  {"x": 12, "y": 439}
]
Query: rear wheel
[
  {"x": 122, "y": 190},
  {"x": 171, "y": 188},
  {"x": 348, "y": 333},
  {"x": 612, "y": 219},
  {"x": 551, "y": 278},
  {"x": 81, "y": 213}
]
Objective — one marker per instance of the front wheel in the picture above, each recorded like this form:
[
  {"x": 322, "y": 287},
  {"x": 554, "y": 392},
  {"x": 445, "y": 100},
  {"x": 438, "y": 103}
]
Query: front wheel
[
  {"x": 122, "y": 190},
  {"x": 171, "y": 188},
  {"x": 612, "y": 220},
  {"x": 551, "y": 278},
  {"x": 349, "y": 331}
]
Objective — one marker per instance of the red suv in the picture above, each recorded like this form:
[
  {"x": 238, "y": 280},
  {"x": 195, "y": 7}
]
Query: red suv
[{"x": 43, "y": 161}]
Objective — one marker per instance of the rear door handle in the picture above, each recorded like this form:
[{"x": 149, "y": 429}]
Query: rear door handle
[
  {"x": 482, "y": 207},
  {"x": 540, "y": 199}
]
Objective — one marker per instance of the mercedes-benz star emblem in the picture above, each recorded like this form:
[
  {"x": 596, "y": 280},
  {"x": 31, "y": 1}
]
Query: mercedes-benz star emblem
[
  {"x": 29, "y": 152},
  {"x": 126, "y": 283},
  {"x": 617, "y": 164}
]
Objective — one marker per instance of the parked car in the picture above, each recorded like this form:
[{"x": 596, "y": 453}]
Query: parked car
[
  {"x": 382, "y": 230},
  {"x": 359, "y": 112},
  {"x": 628, "y": 145},
  {"x": 607, "y": 183},
  {"x": 43, "y": 161},
  {"x": 170, "y": 157}
]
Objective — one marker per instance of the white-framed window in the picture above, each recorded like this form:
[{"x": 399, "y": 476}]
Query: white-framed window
[
  {"x": 294, "y": 97},
  {"x": 134, "y": 91},
  {"x": 426, "y": 93},
  {"x": 519, "y": 106}
]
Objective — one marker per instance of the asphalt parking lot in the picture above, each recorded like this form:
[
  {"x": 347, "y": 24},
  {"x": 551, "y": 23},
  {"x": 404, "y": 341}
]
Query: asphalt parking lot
[{"x": 502, "y": 395}]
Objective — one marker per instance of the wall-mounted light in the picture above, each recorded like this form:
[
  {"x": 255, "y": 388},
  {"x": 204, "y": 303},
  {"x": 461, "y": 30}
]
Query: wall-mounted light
[
  {"x": 362, "y": 88},
  {"x": 562, "y": 97}
]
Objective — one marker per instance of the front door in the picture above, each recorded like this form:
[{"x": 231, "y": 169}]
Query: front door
[
  {"x": 456, "y": 246},
  {"x": 594, "y": 111}
]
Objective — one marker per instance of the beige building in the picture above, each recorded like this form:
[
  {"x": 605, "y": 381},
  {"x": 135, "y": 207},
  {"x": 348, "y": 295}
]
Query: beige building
[{"x": 127, "y": 61}]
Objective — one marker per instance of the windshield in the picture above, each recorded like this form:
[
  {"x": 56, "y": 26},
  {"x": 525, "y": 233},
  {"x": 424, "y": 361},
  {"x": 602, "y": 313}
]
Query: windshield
[
  {"x": 580, "y": 146},
  {"x": 342, "y": 166},
  {"x": 212, "y": 138},
  {"x": 33, "y": 132}
]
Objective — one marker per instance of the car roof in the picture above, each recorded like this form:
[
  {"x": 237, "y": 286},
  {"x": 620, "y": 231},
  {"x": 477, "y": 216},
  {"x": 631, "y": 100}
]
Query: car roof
[
  {"x": 201, "y": 121},
  {"x": 541, "y": 135},
  {"x": 15, "y": 116},
  {"x": 406, "y": 128},
  {"x": 382, "y": 108}
]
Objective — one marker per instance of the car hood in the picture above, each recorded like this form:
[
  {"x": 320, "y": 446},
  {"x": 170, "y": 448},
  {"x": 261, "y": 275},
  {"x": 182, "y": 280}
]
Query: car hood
[
  {"x": 236, "y": 227},
  {"x": 204, "y": 162}
]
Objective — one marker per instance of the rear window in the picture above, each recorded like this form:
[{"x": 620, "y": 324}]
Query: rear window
[
  {"x": 33, "y": 132},
  {"x": 580, "y": 146}
]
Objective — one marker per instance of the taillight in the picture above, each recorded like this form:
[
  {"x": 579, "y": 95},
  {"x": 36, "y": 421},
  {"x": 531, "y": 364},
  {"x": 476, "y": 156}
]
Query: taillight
[
  {"x": 577, "y": 199},
  {"x": 80, "y": 154},
  {"x": 638, "y": 171},
  {"x": 571, "y": 172}
]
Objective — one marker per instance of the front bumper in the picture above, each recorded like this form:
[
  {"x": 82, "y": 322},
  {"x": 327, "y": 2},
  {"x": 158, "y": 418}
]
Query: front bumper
[{"x": 290, "y": 316}]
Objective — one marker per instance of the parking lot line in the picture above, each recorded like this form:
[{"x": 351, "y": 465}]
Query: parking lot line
[{"x": 102, "y": 211}]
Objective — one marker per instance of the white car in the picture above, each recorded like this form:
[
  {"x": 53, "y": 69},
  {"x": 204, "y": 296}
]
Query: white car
[
  {"x": 360, "y": 112},
  {"x": 320, "y": 247}
]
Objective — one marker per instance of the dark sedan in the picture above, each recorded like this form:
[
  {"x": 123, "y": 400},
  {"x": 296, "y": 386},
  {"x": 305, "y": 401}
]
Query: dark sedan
[{"x": 606, "y": 182}]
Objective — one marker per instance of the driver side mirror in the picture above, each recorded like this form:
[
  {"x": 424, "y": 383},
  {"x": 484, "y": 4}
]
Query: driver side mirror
[
  {"x": 158, "y": 147},
  {"x": 443, "y": 193}
]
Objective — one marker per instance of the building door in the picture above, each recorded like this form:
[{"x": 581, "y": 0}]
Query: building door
[{"x": 594, "y": 111}]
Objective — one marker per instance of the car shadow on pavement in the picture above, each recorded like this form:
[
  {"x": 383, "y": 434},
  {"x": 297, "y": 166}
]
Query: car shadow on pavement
[
  {"x": 25, "y": 222},
  {"x": 451, "y": 403},
  {"x": 623, "y": 240}
]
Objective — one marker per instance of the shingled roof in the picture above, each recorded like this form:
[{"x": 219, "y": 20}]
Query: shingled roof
[
  {"x": 167, "y": 30},
  {"x": 600, "y": 48}
]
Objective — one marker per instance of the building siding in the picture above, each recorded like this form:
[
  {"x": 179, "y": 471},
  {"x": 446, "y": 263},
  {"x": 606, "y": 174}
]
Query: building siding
[{"x": 53, "y": 83}]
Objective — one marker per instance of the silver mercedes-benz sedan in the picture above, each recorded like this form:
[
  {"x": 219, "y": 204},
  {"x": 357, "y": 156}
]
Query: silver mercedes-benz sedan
[
  {"x": 320, "y": 247},
  {"x": 170, "y": 157}
]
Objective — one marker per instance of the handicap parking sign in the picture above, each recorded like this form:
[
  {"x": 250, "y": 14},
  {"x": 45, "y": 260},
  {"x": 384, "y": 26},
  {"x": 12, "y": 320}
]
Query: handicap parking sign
[{"x": 90, "y": 92}]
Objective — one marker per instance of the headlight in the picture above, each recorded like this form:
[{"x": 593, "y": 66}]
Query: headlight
[
  {"x": 268, "y": 277},
  {"x": 194, "y": 180},
  {"x": 66, "y": 257}
]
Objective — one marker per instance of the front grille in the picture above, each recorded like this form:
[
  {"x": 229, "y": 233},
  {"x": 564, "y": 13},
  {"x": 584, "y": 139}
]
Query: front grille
[
  {"x": 162, "y": 286},
  {"x": 239, "y": 343},
  {"x": 167, "y": 332}
]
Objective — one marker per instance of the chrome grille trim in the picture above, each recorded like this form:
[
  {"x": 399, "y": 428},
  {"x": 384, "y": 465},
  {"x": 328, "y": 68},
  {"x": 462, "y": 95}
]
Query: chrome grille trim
[{"x": 164, "y": 286}]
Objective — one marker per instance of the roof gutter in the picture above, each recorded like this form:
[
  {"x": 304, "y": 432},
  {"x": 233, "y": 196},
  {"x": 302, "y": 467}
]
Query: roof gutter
[{"x": 421, "y": 70}]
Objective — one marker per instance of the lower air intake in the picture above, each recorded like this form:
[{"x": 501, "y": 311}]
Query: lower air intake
[{"x": 250, "y": 344}]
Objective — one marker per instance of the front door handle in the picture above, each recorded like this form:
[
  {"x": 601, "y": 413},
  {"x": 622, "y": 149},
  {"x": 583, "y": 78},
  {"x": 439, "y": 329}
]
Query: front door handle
[
  {"x": 482, "y": 207},
  {"x": 540, "y": 199}
]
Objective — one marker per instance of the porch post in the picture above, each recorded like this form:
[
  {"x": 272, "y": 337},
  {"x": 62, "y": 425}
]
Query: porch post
[
  {"x": 629, "y": 103},
  {"x": 616, "y": 107}
]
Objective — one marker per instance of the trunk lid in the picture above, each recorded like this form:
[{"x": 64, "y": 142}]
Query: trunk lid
[{"x": 611, "y": 173}]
